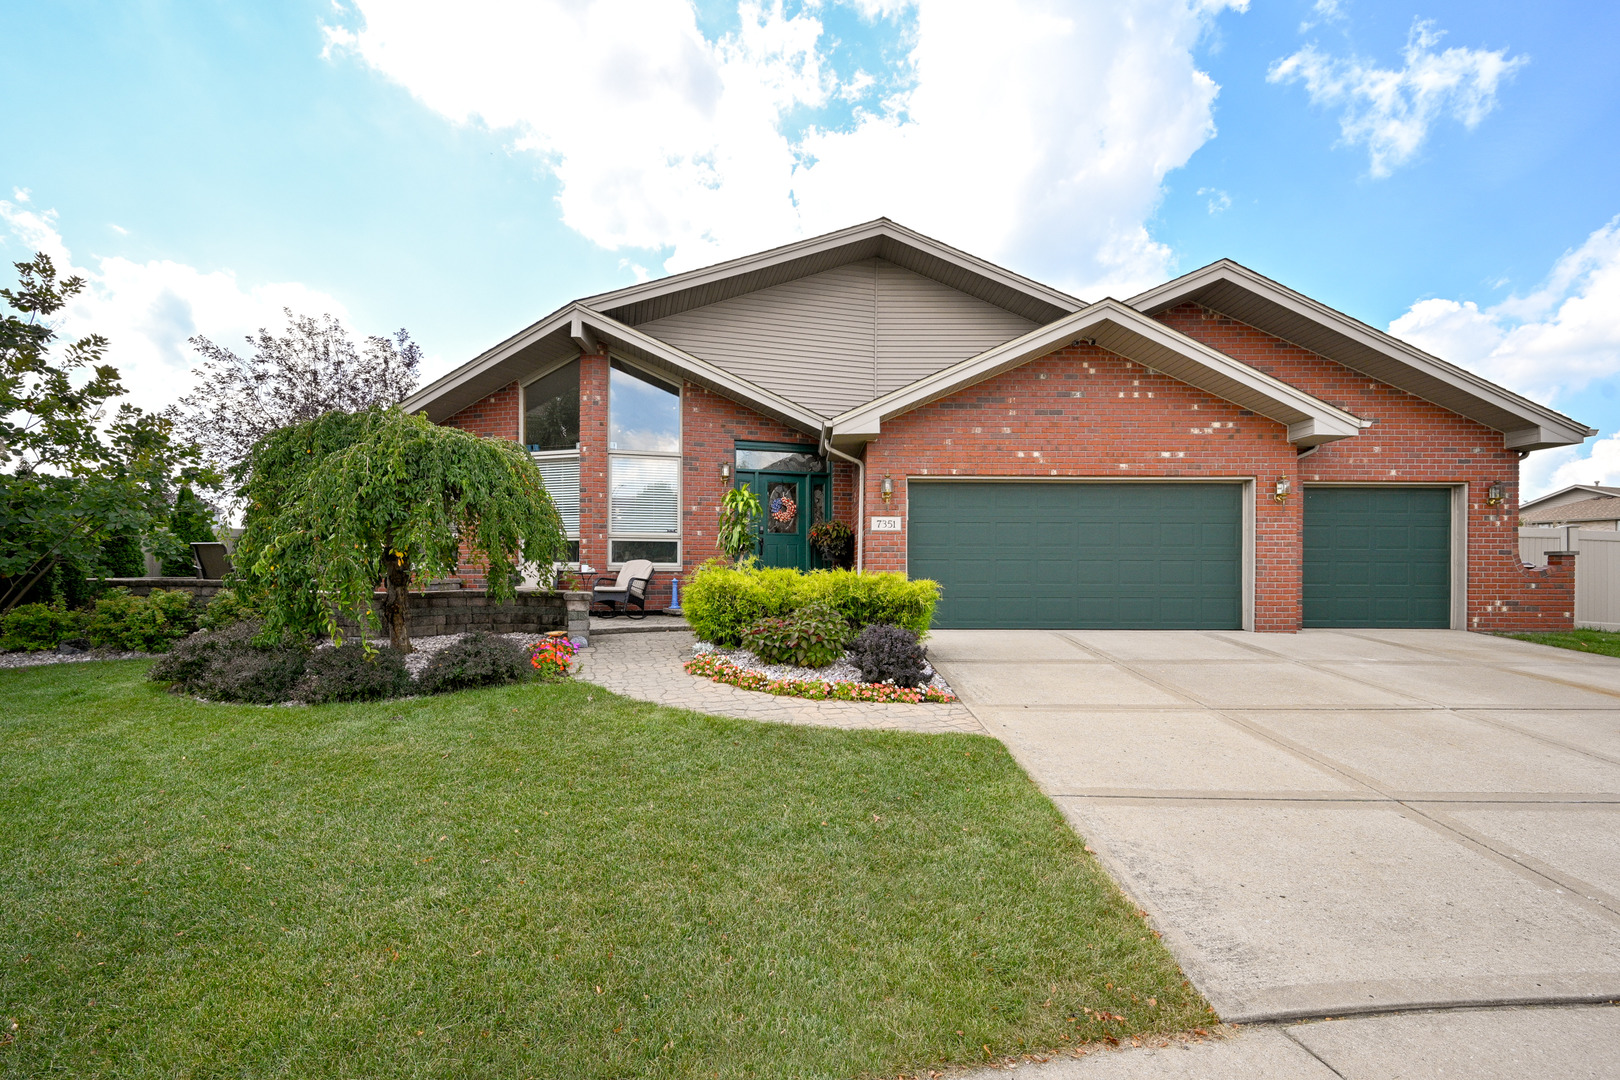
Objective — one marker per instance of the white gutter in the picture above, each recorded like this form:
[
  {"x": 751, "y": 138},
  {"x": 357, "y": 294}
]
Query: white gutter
[{"x": 860, "y": 491}]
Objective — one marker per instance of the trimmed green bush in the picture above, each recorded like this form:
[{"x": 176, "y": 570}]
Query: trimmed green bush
[
  {"x": 351, "y": 673},
  {"x": 231, "y": 665},
  {"x": 227, "y": 608},
  {"x": 722, "y": 601},
  {"x": 37, "y": 627},
  {"x": 476, "y": 660},
  {"x": 812, "y": 637},
  {"x": 122, "y": 620}
]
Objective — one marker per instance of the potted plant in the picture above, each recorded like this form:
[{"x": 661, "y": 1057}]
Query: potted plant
[
  {"x": 740, "y": 515},
  {"x": 834, "y": 542}
]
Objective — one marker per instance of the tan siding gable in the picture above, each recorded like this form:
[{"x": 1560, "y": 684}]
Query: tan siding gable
[{"x": 839, "y": 338}]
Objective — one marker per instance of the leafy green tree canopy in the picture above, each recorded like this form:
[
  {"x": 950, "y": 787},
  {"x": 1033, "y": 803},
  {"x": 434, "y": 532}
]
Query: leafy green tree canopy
[
  {"x": 70, "y": 478},
  {"x": 341, "y": 503}
]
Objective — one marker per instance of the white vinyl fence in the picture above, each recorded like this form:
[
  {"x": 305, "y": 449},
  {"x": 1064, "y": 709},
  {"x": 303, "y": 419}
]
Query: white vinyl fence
[{"x": 1597, "y": 569}]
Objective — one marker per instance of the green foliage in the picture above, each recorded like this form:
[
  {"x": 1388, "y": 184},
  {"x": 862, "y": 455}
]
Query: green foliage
[
  {"x": 190, "y": 523},
  {"x": 121, "y": 556},
  {"x": 227, "y": 608},
  {"x": 352, "y": 672},
  {"x": 889, "y": 654},
  {"x": 70, "y": 476},
  {"x": 232, "y": 664},
  {"x": 721, "y": 601},
  {"x": 813, "y": 636},
  {"x": 343, "y": 501},
  {"x": 740, "y": 515},
  {"x": 834, "y": 542},
  {"x": 475, "y": 660},
  {"x": 122, "y": 620},
  {"x": 37, "y": 627}
]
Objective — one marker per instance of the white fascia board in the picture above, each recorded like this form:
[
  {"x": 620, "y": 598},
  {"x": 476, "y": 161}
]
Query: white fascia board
[
  {"x": 1325, "y": 422},
  {"x": 881, "y": 227},
  {"x": 487, "y": 359},
  {"x": 747, "y": 392},
  {"x": 1555, "y": 428}
]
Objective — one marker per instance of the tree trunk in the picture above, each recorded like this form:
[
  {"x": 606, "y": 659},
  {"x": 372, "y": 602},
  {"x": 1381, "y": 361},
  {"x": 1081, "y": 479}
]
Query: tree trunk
[{"x": 397, "y": 600}]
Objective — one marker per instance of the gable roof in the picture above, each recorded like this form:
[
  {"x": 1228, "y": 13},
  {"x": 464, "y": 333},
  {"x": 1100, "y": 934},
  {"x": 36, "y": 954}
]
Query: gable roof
[
  {"x": 877, "y": 239},
  {"x": 1572, "y": 494},
  {"x": 1126, "y": 332},
  {"x": 1234, "y": 290},
  {"x": 1602, "y": 508}
]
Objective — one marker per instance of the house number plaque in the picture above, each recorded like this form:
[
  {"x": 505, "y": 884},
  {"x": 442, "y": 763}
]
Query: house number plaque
[{"x": 885, "y": 524}]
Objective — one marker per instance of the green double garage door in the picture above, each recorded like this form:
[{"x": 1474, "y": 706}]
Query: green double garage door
[{"x": 1169, "y": 556}]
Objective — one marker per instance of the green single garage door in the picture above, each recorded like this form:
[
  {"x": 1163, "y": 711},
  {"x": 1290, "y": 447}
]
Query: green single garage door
[
  {"x": 1377, "y": 556},
  {"x": 1163, "y": 556}
]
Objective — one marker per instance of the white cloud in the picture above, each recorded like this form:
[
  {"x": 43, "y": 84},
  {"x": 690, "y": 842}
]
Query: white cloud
[
  {"x": 1039, "y": 136},
  {"x": 1392, "y": 111},
  {"x": 148, "y": 310},
  {"x": 1218, "y": 200},
  {"x": 1548, "y": 344}
]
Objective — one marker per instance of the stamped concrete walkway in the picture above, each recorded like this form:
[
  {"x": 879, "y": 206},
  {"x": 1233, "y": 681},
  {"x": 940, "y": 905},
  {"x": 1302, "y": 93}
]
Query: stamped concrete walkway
[
  {"x": 1338, "y": 823},
  {"x": 647, "y": 666}
]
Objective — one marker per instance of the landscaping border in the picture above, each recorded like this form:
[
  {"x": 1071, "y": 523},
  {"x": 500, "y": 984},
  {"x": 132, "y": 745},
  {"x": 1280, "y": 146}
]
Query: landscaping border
[{"x": 721, "y": 670}]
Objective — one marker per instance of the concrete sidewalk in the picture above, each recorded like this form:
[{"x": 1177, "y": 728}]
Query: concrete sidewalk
[{"x": 1333, "y": 822}]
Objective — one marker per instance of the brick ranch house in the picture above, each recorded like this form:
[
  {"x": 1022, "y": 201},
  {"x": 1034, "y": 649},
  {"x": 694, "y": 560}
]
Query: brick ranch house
[{"x": 1218, "y": 452}]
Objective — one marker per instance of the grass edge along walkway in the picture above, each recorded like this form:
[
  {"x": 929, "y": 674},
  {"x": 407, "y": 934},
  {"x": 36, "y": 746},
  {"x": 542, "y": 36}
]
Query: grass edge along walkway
[
  {"x": 535, "y": 881},
  {"x": 1601, "y": 642}
]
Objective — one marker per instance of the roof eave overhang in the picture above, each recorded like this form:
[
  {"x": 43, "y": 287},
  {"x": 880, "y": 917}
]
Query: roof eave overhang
[
  {"x": 1128, "y": 333},
  {"x": 576, "y": 329},
  {"x": 1238, "y": 292}
]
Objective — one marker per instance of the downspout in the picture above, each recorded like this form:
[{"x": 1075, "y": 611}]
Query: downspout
[{"x": 860, "y": 492}]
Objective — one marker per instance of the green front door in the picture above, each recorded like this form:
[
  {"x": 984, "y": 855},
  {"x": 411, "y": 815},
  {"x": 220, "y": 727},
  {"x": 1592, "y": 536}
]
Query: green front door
[
  {"x": 1377, "y": 557},
  {"x": 784, "y": 539},
  {"x": 1080, "y": 555}
]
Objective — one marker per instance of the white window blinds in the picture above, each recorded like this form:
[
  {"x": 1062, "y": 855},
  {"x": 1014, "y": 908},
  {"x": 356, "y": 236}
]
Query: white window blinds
[
  {"x": 645, "y": 496},
  {"x": 561, "y": 476}
]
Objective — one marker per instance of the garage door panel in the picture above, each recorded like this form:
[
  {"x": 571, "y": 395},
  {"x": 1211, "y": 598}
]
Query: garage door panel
[
  {"x": 1377, "y": 557},
  {"x": 1085, "y": 555}
]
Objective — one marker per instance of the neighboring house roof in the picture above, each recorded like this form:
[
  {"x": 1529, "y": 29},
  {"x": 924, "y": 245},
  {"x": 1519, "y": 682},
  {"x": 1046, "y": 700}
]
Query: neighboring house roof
[
  {"x": 1603, "y": 508},
  {"x": 837, "y": 333},
  {"x": 1242, "y": 294},
  {"x": 1572, "y": 494},
  {"x": 1128, "y": 333}
]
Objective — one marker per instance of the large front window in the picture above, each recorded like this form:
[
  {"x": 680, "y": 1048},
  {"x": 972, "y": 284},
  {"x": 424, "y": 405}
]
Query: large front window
[
  {"x": 551, "y": 410},
  {"x": 644, "y": 465}
]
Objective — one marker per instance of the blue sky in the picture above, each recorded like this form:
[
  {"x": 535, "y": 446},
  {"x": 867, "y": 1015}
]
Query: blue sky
[{"x": 1439, "y": 168}]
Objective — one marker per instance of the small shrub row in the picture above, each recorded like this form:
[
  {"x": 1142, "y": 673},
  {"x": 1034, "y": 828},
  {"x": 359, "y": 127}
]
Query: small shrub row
[
  {"x": 721, "y": 670},
  {"x": 814, "y": 636},
  {"x": 722, "y": 601},
  {"x": 119, "y": 620},
  {"x": 238, "y": 663}
]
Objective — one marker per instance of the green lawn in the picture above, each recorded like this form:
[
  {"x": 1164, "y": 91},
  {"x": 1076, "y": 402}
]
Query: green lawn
[
  {"x": 543, "y": 881},
  {"x": 1606, "y": 642}
]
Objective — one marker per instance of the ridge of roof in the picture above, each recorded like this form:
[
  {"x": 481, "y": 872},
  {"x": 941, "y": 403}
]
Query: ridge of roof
[
  {"x": 879, "y": 231},
  {"x": 1600, "y": 489},
  {"x": 1543, "y": 426},
  {"x": 1602, "y": 508}
]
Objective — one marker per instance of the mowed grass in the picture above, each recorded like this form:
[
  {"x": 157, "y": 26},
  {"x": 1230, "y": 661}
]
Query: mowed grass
[
  {"x": 1604, "y": 642},
  {"x": 544, "y": 881}
]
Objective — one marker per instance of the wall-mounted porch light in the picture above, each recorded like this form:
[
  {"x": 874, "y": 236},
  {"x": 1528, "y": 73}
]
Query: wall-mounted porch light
[
  {"x": 725, "y": 471},
  {"x": 887, "y": 489},
  {"x": 1495, "y": 493},
  {"x": 1283, "y": 487}
]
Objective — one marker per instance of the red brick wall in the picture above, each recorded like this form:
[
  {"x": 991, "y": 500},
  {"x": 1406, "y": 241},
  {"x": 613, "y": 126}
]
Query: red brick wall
[
  {"x": 494, "y": 417},
  {"x": 1083, "y": 411},
  {"x": 1412, "y": 441},
  {"x": 593, "y": 461}
]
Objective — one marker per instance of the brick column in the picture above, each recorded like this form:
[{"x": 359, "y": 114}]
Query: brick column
[{"x": 593, "y": 460}]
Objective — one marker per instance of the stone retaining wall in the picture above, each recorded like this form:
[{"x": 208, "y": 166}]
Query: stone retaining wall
[
  {"x": 458, "y": 611},
  {"x": 202, "y": 590}
]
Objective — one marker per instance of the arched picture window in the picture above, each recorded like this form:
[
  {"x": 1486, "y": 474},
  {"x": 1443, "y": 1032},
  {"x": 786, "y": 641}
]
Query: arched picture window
[
  {"x": 551, "y": 410},
  {"x": 645, "y": 412}
]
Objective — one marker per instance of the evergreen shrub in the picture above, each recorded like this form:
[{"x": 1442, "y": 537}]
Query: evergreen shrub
[
  {"x": 122, "y": 620},
  {"x": 722, "y": 601},
  {"x": 37, "y": 627}
]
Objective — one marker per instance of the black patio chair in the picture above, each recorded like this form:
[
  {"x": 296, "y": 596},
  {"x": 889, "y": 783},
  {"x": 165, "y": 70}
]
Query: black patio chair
[
  {"x": 212, "y": 561},
  {"x": 628, "y": 590}
]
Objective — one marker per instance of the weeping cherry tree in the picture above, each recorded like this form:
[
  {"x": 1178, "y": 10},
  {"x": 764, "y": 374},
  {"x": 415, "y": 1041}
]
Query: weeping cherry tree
[{"x": 342, "y": 503}]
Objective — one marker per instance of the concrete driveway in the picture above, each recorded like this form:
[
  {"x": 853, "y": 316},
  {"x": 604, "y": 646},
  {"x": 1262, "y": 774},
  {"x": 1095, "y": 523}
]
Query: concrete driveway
[{"x": 1333, "y": 822}]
